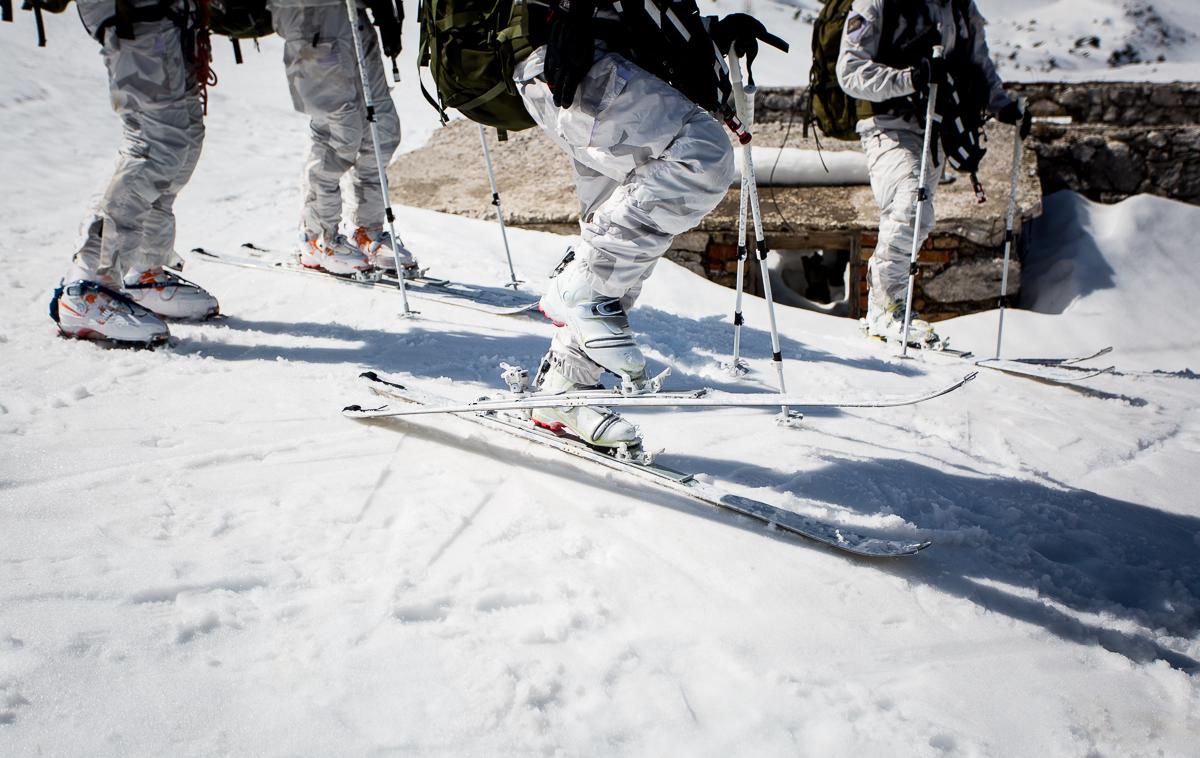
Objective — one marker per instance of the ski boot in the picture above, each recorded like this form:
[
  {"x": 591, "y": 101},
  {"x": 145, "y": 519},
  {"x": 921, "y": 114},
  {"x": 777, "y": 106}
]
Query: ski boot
[
  {"x": 169, "y": 295},
  {"x": 376, "y": 247},
  {"x": 597, "y": 322},
  {"x": 88, "y": 310},
  {"x": 334, "y": 255},
  {"x": 596, "y": 426},
  {"x": 887, "y": 323}
]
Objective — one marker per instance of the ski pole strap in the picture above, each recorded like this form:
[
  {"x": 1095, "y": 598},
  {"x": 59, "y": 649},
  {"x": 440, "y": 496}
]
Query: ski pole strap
[{"x": 980, "y": 195}]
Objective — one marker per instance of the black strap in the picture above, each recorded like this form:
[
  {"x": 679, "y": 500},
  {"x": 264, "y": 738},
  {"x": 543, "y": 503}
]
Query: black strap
[
  {"x": 6, "y": 10},
  {"x": 237, "y": 51},
  {"x": 39, "y": 21},
  {"x": 126, "y": 16}
]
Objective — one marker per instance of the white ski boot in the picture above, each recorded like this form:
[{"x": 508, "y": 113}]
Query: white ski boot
[
  {"x": 594, "y": 425},
  {"x": 87, "y": 310},
  {"x": 887, "y": 323},
  {"x": 170, "y": 296},
  {"x": 335, "y": 255},
  {"x": 376, "y": 247},
  {"x": 597, "y": 322}
]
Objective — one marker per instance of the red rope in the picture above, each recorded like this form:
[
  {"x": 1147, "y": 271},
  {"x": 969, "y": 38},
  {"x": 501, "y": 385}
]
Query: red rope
[{"x": 205, "y": 76}]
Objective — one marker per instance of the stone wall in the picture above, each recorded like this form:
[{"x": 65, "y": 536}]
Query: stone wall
[
  {"x": 1106, "y": 140},
  {"x": 1111, "y": 163},
  {"x": 1138, "y": 104}
]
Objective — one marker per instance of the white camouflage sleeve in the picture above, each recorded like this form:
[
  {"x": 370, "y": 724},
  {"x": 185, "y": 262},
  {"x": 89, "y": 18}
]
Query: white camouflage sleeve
[
  {"x": 858, "y": 74},
  {"x": 982, "y": 57}
]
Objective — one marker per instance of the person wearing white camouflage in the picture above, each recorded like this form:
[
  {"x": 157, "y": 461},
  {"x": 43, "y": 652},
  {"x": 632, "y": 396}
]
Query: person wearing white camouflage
[
  {"x": 323, "y": 75},
  {"x": 649, "y": 163},
  {"x": 118, "y": 285},
  {"x": 884, "y": 59}
]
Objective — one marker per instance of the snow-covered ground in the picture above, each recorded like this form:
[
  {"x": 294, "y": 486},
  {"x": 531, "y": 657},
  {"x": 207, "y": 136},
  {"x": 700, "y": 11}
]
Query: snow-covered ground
[
  {"x": 1031, "y": 40},
  {"x": 200, "y": 556}
]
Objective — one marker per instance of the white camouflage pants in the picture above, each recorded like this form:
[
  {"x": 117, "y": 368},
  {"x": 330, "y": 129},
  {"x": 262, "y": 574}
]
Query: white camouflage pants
[
  {"x": 894, "y": 162},
  {"x": 322, "y": 73},
  {"x": 153, "y": 90},
  {"x": 648, "y": 163}
]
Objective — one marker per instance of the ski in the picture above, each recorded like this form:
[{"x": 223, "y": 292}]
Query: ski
[
  {"x": 704, "y": 398},
  {"x": 1061, "y": 371},
  {"x": 773, "y": 517},
  {"x": 1071, "y": 363},
  {"x": 1043, "y": 372},
  {"x": 486, "y": 300}
]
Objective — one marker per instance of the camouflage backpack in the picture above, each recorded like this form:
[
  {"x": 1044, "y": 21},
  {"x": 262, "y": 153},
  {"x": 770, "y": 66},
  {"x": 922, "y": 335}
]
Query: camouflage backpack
[{"x": 472, "y": 48}]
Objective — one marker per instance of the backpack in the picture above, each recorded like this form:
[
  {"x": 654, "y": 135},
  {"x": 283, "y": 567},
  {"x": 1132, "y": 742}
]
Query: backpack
[
  {"x": 962, "y": 112},
  {"x": 829, "y": 107},
  {"x": 471, "y": 48},
  {"x": 240, "y": 19}
]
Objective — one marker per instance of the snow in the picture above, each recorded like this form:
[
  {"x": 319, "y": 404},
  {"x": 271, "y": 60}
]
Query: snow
[
  {"x": 200, "y": 556},
  {"x": 1030, "y": 40}
]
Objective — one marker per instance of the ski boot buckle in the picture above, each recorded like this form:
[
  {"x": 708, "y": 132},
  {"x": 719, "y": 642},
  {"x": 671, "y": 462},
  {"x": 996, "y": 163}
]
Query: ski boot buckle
[{"x": 516, "y": 377}]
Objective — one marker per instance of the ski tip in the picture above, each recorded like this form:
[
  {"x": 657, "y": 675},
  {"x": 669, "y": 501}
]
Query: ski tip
[
  {"x": 352, "y": 409},
  {"x": 970, "y": 376},
  {"x": 369, "y": 375}
]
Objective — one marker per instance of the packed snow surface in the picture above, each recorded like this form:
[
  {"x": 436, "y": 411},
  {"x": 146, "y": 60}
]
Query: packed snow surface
[{"x": 200, "y": 556}]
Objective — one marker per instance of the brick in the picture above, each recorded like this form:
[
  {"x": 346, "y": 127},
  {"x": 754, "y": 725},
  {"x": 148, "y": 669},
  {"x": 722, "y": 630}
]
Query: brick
[{"x": 719, "y": 252}]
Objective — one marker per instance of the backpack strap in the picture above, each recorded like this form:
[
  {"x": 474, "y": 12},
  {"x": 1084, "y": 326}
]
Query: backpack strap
[
  {"x": 427, "y": 27},
  {"x": 126, "y": 16}
]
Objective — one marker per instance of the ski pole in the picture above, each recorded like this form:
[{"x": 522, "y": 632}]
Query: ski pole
[
  {"x": 487, "y": 158},
  {"x": 736, "y": 367},
  {"x": 1008, "y": 225},
  {"x": 922, "y": 195},
  {"x": 760, "y": 242},
  {"x": 352, "y": 13}
]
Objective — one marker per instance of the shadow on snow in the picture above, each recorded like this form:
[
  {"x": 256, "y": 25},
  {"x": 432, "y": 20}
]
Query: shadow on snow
[{"x": 1040, "y": 554}]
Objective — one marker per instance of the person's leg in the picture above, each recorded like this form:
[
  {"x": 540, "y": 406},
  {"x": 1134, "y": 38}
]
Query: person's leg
[
  {"x": 152, "y": 92},
  {"x": 671, "y": 160},
  {"x": 157, "y": 248},
  {"x": 368, "y": 194},
  {"x": 322, "y": 74},
  {"x": 152, "y": 89},
  {"x": 894, "y": 163},
  {"x": 669, "y": 163}
]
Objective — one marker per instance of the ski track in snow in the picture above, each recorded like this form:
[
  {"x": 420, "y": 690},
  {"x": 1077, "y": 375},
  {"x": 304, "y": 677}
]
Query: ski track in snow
[{"x": 200, "y": 556}]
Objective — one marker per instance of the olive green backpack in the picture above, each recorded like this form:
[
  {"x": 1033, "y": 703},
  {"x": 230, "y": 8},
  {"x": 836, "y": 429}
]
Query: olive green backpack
[
  {"x": 829, "y": 107},
  {"x": 472, "y": 48}
]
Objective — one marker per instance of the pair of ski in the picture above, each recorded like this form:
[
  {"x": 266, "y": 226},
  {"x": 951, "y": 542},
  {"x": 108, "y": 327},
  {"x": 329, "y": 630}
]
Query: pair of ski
[
  {"x": 511, "y": 415},
  {"x": 498, "y": 302}
]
